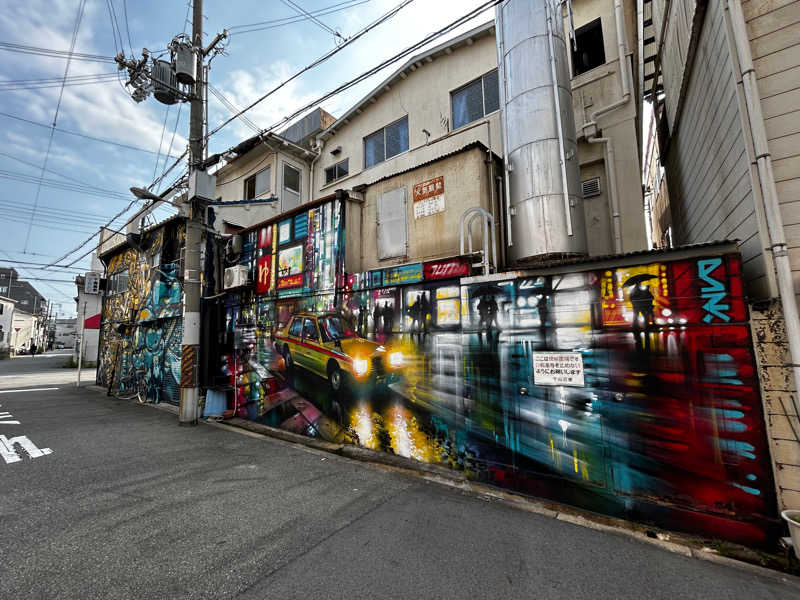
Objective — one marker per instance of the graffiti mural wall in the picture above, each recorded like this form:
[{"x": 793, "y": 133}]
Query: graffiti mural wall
[
  {"x": 625, "y": 387},
  {"x": 142, "y": 315}
]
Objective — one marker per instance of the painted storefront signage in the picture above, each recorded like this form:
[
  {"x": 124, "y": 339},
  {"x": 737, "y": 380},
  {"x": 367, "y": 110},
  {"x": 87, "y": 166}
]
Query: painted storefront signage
[
  {"x": 292, "y": 281},
  {"x": 403, "y": 274},
  {"x": 444, "y": 269},
  {"x": 558, "y": 368},
  {"x": 428, "y": 197},
  {"x": 264, "y": 274}
]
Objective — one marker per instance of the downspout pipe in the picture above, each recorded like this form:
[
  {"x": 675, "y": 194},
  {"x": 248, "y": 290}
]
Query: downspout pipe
[
  {"x": 624, "y": 76},
  {"x": 611, "y": 174},
  {"x": 501, "y": 51},
  {"x": 316, "y": 148},
  {"x": 557, "y": 100},
  {"x": 769, "y": 194}
]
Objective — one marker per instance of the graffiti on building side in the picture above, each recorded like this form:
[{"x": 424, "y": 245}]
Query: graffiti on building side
[
  {"x": 141, "y": 323},
  {"x": 629, "y": 389}
]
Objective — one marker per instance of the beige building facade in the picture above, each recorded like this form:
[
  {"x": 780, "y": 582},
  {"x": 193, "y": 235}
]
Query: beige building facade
[
  {"x": 726, "y": 74},
  {"x": 417, "y": 124}
]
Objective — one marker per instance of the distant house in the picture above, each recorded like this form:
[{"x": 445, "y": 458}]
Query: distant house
[{"x": 6, "y": 324}]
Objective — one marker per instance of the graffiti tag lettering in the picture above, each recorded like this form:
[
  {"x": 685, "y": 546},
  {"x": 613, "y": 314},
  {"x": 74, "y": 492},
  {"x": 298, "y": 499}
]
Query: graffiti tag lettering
[{"x": 714, "y": 292}]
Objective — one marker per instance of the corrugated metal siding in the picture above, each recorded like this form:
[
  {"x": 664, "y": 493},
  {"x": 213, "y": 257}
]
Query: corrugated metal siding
[
  {"x": 774, "y": 31},
  {"x": 707, "y": 167},
  {"x": 675, "y": 48}
]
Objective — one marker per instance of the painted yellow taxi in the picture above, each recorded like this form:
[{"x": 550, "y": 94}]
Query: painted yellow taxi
[{"x": 324, "y": 343}]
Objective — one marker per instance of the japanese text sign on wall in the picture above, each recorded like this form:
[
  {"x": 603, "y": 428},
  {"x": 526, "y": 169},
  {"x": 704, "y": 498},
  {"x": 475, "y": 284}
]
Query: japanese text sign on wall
[
  {"x": 265, "y": 237},
  {"x": 429, "y": 197},
  {"x": 291, "y": 281},
  {"x": 403, "y": 274},
  {"x": 442, "y": 269},
  {"x": 264, "y": 268},
  {"x": 558, "y": 368}
]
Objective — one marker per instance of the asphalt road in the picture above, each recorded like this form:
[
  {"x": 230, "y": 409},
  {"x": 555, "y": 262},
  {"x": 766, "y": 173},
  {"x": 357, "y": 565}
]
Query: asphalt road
[{"x": 130, "y": 505}]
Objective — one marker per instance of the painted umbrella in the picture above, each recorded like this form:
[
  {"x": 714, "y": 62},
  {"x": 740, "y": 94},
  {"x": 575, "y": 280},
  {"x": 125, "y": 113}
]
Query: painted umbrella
[{"x": 637, "y": 279}]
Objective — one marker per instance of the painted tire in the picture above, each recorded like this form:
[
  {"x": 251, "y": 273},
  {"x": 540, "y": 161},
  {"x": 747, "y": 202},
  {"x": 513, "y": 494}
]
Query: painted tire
[{"x": 335, "y": 377}]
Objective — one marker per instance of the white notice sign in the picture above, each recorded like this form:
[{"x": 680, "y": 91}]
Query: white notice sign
[{"x": 558, "y": 368}]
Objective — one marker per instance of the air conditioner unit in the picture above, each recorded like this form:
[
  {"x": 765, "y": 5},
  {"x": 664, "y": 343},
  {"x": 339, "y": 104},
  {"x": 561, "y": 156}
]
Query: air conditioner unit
[{"x": 236, "y": 277}]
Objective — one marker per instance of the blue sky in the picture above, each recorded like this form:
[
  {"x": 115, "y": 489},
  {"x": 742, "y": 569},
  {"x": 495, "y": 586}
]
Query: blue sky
[{"x": 254, "y": 62}]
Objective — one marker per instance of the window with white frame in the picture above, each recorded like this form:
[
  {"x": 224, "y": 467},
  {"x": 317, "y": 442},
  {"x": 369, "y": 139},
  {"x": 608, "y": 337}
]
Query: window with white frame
[
  {"x": 337, "y": 171},
  {"x": 291, "y": 187},
  {"x": 257, "y": 184},
  {"x": 386, "y": 143},
  {"x": 476, "y": 99}
]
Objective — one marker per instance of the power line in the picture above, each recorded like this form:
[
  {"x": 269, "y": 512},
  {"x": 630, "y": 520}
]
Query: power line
[
  {"x": 369, "y": 73},
  {"x": 47, "y": 82},
  {"x": 318, "y": 61},
  {"x": 171, "y": 142},
  {"x": 75, "y": 133},
  {"x": 274, "y": 23},
  {"x": 63, "y": 185},
  {"x": 161, "y": 142},
  {"x": 20, "y": 48},
  {"x": 76, "y": 28},
  {"x": 33, "y": 265},
  {"x": 311, "y": 17},
  {"x": 127, "y": 28}
]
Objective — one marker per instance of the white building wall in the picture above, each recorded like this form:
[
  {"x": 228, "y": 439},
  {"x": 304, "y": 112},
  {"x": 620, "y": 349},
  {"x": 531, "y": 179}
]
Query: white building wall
[
  {"x": 6, "y": 322},
  {"x": 231, "y": 180}
]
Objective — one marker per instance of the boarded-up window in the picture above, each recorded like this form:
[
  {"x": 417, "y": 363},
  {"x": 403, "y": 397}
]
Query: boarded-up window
[{"x": 392, "y": 224}]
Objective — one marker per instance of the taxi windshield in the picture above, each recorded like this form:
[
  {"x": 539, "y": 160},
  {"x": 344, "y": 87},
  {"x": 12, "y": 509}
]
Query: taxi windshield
[{"x": 334, "y": 328}]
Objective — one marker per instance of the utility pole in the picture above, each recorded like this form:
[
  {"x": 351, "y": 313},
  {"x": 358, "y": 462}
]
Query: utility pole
[
  {"x": 80, "y": 345},
  {"x": 190, "y": 342},
  {"x": 201, "y": 186}
]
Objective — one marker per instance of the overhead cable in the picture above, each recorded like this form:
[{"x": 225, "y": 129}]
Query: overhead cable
[
  {"x": 75, "y": 133},
  {"x": 274, "y": 23},
  {"x": 385, "y": 17},
  {"x": 10, "y": 47},
  {"x": 367, "y": 74},
  {"x": 75, "y": 29}
]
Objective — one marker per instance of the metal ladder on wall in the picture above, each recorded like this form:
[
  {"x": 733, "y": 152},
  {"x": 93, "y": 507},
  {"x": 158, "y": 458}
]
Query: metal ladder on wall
[{"x": 485, "y": 216}]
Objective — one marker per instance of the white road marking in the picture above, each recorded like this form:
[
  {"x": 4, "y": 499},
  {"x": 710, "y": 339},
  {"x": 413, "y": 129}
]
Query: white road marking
[
  {"x": 11, "y": 455},
  {"x": 3, "y": 419},
  {"x": 27, "y": 390}
]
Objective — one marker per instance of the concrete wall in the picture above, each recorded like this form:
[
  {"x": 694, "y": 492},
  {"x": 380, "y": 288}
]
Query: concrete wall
[
  {"x": 28, "y": 326},
  {"x": 591, "y": 91},
  {"x": 777, "y": 391},
  {"x": 6, "y": 322}
]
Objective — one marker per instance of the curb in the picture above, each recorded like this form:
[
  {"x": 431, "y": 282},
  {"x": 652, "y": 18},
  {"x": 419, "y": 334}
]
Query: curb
[{"x": 458, "y": 480}]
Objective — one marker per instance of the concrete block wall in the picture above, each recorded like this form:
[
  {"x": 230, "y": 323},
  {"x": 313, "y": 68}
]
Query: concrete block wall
[{"x": 778, "y": 393}]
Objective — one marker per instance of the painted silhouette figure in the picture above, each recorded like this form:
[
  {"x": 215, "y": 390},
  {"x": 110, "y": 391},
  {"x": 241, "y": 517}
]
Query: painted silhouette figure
[
  {"x": 362, "y": 315},
  {"x": 376, "y": 318},
  {"x": 424, "y": 312},
  {"x": 642, "y": 301},
  {"x": 388, "y": 319}
]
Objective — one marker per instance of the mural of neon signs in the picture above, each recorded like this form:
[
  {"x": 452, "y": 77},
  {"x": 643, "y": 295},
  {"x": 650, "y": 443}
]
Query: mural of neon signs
[{"x": 290, "y": 267}]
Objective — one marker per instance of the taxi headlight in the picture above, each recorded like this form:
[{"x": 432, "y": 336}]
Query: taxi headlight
[
  {"x": 360, "y": 366},
  {"x": 396, "y": 360}
]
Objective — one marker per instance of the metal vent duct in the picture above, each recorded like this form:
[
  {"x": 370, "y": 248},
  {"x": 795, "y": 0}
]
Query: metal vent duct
[{"x": 545, "y": 211}]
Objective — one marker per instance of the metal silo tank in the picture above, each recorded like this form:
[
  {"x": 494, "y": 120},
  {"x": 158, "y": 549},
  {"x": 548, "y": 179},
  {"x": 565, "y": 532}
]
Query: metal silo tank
[{"x": 544, "y": 222}]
